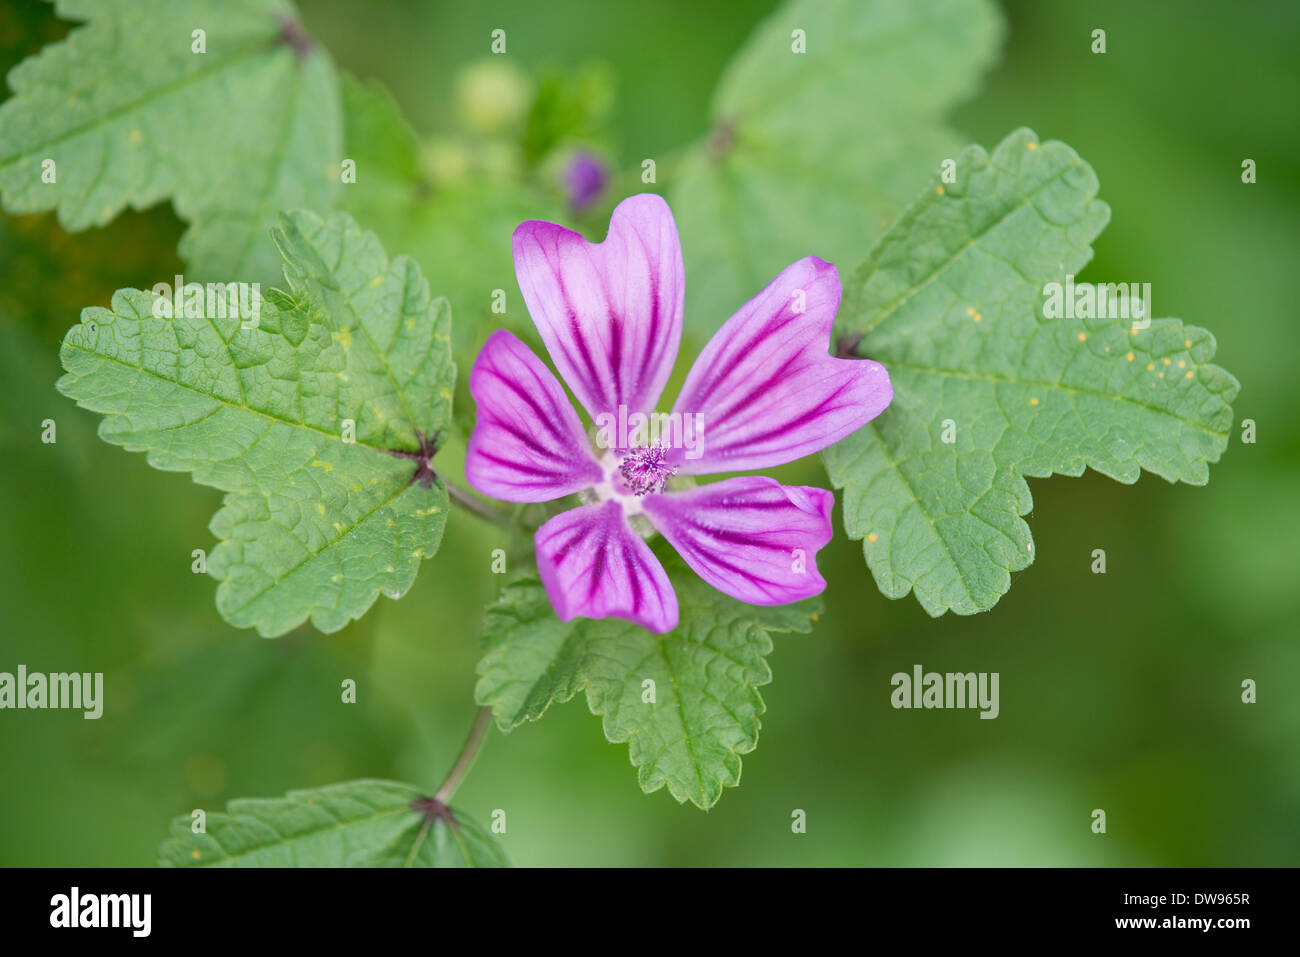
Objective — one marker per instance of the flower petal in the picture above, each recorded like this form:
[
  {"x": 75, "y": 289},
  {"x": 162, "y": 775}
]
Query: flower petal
[
  {"x": 528, "y": 443},
  {"x": 610, "y": 313},
  {"x": 750, "y": 537},
  {"x": 595, "y": 566},
  {"x": 766, "y": 388}
]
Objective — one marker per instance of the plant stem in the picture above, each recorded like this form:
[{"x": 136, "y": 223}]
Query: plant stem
[
  {"x": 477, "y": 735},
  {"x": 483, "y": 510}
]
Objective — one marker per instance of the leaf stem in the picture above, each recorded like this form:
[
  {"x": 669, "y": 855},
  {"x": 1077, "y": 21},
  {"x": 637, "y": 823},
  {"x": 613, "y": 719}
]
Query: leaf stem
[
  {"x": 477, "y": 735},
  {"x": 480, "y": 508}
]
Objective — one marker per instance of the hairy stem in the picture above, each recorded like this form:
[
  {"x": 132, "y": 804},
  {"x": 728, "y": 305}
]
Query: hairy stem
[
  {"x": 477, "y": 735},
  {"x": 478, "y": 507}
]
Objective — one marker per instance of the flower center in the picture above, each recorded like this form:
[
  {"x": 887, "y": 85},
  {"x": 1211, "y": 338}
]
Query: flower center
[{"x": 646, "y": 469}]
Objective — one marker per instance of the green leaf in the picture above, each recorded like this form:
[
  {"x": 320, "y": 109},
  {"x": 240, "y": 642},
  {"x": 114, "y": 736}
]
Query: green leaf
[
  {"x": 357, "y": 824},
  {"x": 818, "y": 152},
  {"x": 705, "y": 673},
  {"x": 952, "y": 302},
  {"x": 384, "y": 147},
  {"x": 130, "y": 115},
  {"x": 312, "y": 525}
]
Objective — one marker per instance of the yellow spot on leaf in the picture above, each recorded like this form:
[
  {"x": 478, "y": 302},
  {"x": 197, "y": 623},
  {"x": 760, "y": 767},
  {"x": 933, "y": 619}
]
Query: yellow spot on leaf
[
  {"x": 1187, "y": 343},
  {"x": 134, "y": 137},
  {"x": 1082, "y": 336},
  {"x": 871, "y": 537},
  {"x": 194, "y": 853},
  {"x": 939, "y": 190},
  {"x": 320, "y": 509},
  {"x": 1033, "y": 146},
  {"x": 1129, "y": 357},
  {"x": 1166, "y": 362},
  {"x": 1182, "y": 364},
  {"x": 1033, "y": 402},
  {"x": 1189, "y": 373},
  {"x": 318, "y": 464},
  {"x": 1151, "y": 367},
  {"x": 344, "y": 338},
  {"x": 377, "y": 281}
]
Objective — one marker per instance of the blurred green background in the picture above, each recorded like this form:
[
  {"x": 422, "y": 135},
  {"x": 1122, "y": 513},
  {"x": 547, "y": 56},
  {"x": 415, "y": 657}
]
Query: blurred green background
[{"x": 1118, "y": 691}]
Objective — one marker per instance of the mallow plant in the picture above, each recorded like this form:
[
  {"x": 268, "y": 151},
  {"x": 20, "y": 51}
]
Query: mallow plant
[{"x": 930, "y": 379}]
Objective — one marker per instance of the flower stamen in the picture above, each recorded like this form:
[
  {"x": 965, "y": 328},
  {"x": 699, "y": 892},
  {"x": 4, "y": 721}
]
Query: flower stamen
[{"x": 646, "y": 469}]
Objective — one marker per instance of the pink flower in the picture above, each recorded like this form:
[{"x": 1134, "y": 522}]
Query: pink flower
[{"x": 765, "y": 391}]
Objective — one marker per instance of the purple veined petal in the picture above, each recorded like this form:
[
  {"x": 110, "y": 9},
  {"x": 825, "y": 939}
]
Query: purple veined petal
[
  {"x": 751, "y": 538},
  {"x": 766, "y": 389},
  {"x": 595, "y": 566},
  {"x": 528, "y": 443},
  {"x": 610, "y": 313}
]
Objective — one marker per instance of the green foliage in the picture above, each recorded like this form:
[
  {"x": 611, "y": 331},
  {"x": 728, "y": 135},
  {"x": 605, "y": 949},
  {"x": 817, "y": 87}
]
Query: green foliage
[
  {"x": 131, "y": 115},
  {"x": 818, "y": 152},
  {"x": 703, "y": 677},
  {"x": 951, "y": 301},
  {"x": 385, "y": 149},
  {"x": 1200, "y": 584},
  {"x": 824, "y": 126},
  {"x": 357, "y": 824},
  {"x": 567, "y": 109},
  {"x": 458, "y": 231},
  {"x": 313, "y": 525}
]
